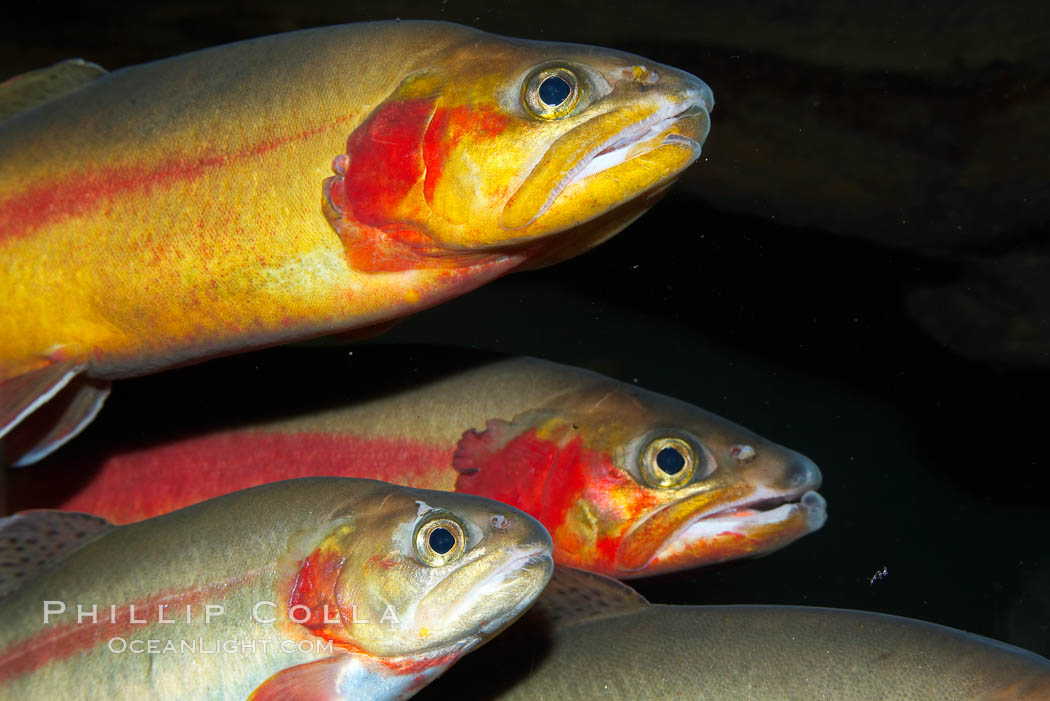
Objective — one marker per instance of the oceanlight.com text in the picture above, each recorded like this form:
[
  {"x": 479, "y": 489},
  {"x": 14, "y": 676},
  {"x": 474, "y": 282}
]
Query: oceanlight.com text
[{"x": 202, "y": 646}]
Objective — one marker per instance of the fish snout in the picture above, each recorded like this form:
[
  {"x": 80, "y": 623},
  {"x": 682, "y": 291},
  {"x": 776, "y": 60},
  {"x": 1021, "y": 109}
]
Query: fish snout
[
  {"x": 689, "y": 91},
  {"x": 801, "y": 472},
  {"x": 528, "y": 533},
  {"x": 697, "y": 91},
  {"x": 686, "y": 87}
]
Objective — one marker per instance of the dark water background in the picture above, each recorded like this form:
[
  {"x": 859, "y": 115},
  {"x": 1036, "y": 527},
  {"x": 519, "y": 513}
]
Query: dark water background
[{"x": 935, "y": 466}]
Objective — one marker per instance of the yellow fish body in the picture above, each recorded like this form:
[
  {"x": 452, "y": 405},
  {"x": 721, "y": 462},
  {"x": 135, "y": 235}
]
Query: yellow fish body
[{"x": 303, "y": 184}]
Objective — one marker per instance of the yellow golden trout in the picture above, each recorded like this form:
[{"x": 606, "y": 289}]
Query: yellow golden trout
[
  {"x": 303, "y": 184},
  {"x": 628, "y": 482},
  {"x": 304, "y": 589}
]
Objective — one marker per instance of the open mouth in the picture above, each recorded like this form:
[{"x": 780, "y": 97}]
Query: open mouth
[
  {"x": 639, "y": 139},
  {"x": 768, "y": 510},
  {"x": 799, "y": 513}
]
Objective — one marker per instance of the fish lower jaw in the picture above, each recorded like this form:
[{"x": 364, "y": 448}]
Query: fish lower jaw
[{"x": 744, "y": 517}]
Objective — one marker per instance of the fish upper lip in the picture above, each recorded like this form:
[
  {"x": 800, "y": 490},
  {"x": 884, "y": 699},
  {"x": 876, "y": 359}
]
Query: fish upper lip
[
  {"x": 500, "y": 574},
  {"x": 638, "y": 131},
  {"x": 517, "y": 563},
  {"x": 497, "y": 578},
  {"x": 762, "y": 504},
  {"x": 627, "y": 137},
  {"x": 805, "y": 499}
]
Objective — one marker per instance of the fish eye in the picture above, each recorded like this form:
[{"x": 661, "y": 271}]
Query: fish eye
[
  {"x": 668, "y": 462},
  {"x": 554, "y": 90},
  {"x": 440, "y": 540},
  {"x": 551, "y": 92}
]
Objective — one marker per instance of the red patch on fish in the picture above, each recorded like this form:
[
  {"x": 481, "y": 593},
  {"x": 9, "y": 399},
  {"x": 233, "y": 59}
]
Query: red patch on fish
[
  {"x": 537, "y": 475},
  {"x": 448, "y": 127},
  {"x": 514, "y": 472},
  {"x": 383, "y": 162},
  {"x": 577, "y": 493},
  {"x": 312, "y": 602},
  {"x": 385, "y": 159}
]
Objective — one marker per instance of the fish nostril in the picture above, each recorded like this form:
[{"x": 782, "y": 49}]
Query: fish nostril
[{"x": 639, "y": 74}]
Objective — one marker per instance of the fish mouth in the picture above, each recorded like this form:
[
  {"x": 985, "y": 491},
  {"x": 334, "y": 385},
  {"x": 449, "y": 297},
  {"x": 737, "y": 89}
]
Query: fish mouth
[
  {"x": 753, "y": 525},
  {"x": 521, "y": 581},
  {"x": 504, "y": 593},
  {"x": 670, "y": 134},
  {"x": 749, "y": 514},
  {"x": 639, "y": 139}
]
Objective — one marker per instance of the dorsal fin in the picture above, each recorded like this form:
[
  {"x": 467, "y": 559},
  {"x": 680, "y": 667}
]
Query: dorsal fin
[
  {"x": 26, "y": 91},
  {"x": 574, "y": 596},
  {"x": 30, "y": 541}
]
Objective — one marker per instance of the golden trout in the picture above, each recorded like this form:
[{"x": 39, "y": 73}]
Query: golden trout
[
  {"x": 319, "y": 588},
  {"x": 629, "y": 483},
  {"x": 593, "y": 639},
  {"x": 303, "y": 184}
]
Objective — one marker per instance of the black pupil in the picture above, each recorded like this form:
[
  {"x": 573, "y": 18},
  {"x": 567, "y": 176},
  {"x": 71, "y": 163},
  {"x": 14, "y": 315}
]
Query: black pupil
[
  {"x": 670, "y": 461},
  {"x": 441, "y": 540},
  {"x": 554, "y": 91}
]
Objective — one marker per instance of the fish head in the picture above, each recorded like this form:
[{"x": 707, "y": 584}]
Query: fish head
[
  {"x": 414, "y": 578},
  {"x": 631, "y": 483},
  {"x": 536, "y": 150}
]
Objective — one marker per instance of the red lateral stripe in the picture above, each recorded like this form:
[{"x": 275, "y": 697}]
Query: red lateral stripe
[
  {"x": 80, "y": 193},
  {"x": 63, "y": 640},
  {"x": 134, "y": 485}
]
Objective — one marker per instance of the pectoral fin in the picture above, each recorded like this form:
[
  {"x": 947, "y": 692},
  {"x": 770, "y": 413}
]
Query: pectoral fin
[
  {"x": 23, "y": 394},
  {"x": 323, "y": 680},
  {"x": 34, "y": 540},
  {"x": 57, "y": 421}
]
